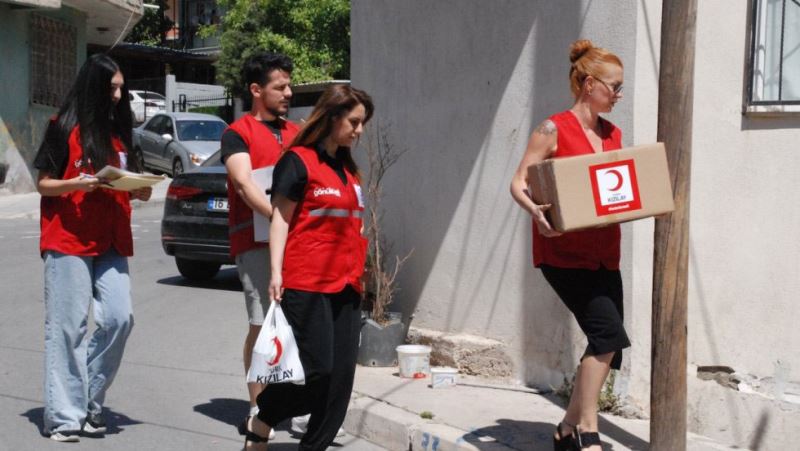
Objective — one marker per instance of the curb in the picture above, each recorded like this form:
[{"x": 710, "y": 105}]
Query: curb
[{"x": 398, "y": 429}]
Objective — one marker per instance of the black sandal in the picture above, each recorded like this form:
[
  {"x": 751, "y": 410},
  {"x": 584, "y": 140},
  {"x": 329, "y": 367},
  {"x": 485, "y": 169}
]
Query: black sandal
[
  {"x": 563, "y": 442},
  {"x": 252, "y": 437},
  {"x": 585, "y": 439},
  {"x": 242, "y": 428}
]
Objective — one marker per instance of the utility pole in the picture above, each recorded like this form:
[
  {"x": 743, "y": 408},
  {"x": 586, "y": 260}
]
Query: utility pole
[{"x": 670, "y": 261}]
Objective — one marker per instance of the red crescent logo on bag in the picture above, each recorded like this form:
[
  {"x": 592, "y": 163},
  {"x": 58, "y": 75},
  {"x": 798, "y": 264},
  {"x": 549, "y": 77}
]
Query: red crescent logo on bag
[{"x": 278, "y": 352}]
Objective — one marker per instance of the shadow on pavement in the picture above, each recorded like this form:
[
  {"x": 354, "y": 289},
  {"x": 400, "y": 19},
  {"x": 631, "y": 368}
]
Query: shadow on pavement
[
  {"x": 526, "y": 435},
  {"x": 226, "y": 410},
  {"x": 227, "y": 279},
  {"x": 113, "y": 419},
  {"x": 521, "y": 435}
]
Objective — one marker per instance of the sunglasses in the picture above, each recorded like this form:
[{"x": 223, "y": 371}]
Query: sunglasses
[{"x": 615, "y": 88}]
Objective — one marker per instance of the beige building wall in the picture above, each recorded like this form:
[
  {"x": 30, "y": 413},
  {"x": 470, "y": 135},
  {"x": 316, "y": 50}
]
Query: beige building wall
[
  {"x": 745, "y": 265},
  {"x": 461, "y": 86}
]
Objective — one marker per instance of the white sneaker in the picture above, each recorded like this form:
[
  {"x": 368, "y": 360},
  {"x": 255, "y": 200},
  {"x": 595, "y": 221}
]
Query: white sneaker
[
  {"x": 94, "y": 425},
  {"x": 65, "y": 436},
  {"x": 300, "y": 426},
  {"x": 271, "y": 434}
]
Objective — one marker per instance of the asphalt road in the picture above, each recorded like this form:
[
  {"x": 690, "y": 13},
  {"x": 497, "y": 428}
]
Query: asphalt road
[{"x": 181, "y": 384}]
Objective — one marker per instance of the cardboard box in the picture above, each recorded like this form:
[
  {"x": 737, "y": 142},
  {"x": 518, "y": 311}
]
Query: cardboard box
[
  {"x": 263, "y": 178},
  {"x": 603, "y": 188}
]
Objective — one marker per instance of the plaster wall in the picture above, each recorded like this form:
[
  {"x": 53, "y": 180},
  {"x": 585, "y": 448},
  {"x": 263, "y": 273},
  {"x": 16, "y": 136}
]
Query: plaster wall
[
  {"x": 745, "y": 270},
  {"x": 635, "y": 387},
  {"x": 23, "y": 123},
  {"x": 461, "y": 86}
]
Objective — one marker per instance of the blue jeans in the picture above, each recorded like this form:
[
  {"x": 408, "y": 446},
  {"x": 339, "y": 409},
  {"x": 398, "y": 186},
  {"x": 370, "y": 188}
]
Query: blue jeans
[{"x": 78, "y": 372}]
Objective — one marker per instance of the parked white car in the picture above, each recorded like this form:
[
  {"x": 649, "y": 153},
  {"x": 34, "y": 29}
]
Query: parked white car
[
  {"x": 177, "y": 142},
  {"x": 146, "y": 104}
]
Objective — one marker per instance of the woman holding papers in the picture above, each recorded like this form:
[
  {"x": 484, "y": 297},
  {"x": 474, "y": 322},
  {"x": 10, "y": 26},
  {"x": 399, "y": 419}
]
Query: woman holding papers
[
  {"x": 85, "y": 243},
  {"x": 582, "y": 266},
  {"x": 317, "y": 256}
]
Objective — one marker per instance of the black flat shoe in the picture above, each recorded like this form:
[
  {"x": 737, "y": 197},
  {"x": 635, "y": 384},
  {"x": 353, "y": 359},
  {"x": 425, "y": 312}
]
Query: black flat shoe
[{"x": 562, "y": 442}]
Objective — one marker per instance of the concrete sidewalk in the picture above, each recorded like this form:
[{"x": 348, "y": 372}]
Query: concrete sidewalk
[
  {"x": 474, "y": 415},
  {"x": 14, "y": 206}
]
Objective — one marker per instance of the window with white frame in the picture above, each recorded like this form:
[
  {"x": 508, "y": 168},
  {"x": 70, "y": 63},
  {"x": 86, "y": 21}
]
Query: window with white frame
[
  {"x": 775, "y": 56},
  {"x": 54, "y": 46}
]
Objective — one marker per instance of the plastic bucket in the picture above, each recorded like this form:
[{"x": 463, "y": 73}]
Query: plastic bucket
[
  {"x": 443, "y": 376},
  {"x": 414, "y": 361}
]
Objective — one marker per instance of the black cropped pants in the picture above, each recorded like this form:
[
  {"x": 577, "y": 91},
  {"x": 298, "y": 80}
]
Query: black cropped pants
[
  {"x": 595, "y": 299},
  {"x": 326, "y": 328}
]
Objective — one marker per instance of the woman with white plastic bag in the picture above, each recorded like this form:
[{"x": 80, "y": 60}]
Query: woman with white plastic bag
[{"x": 317, "y": 254}]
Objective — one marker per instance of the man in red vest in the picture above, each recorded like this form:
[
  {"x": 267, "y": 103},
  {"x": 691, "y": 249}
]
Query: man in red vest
[{"x": 256, "y": 140}]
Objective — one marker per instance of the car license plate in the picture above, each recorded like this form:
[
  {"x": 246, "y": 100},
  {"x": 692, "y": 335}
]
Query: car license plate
[{"x": 217, "y": 204}]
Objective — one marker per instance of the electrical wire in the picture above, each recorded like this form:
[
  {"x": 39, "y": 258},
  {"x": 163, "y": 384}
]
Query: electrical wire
[{"x": 123, "y": 32}]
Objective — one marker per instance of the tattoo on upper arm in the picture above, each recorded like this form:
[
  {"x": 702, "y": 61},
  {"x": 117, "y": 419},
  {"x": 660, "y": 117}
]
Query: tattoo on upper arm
[{"x": 546, "y": 128}]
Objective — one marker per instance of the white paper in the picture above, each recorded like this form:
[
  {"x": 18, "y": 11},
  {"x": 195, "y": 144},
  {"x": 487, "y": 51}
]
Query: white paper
[
  {"x": 122, "y": 180},
  {"x": 263, "y": 178}
]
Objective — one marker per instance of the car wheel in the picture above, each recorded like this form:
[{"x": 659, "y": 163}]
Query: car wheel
[
  {"x": 177, "y": 168},
  {"x": 197, "y": 269}
]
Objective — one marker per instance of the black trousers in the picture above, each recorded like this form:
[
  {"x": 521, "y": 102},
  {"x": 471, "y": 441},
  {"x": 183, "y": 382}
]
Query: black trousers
[
  {"x": 594, "y": 296},
  {"x": 326, "y": 328}
]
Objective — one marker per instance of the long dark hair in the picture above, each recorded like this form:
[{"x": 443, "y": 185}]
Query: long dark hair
[
  {"x": 334, "y": 103},
  {"x": 89, "y": 105}
]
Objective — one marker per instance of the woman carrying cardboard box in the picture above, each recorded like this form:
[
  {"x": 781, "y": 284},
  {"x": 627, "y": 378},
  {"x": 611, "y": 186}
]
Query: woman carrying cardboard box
[{"x": 581, "y": 266}]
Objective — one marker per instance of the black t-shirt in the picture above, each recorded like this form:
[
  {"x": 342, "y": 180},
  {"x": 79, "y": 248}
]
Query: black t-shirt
[
  {"x": 233, "y": 143},
  {"x": 53, "y": 154},
  {"x": 290, "y": 177}
]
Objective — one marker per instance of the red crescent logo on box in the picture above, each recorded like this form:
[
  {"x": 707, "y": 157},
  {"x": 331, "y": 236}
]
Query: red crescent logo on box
[
  {"x": 615, "y": 187},
  {"x": 620, "y": 180},
  {"x": 278, "y": 352}
]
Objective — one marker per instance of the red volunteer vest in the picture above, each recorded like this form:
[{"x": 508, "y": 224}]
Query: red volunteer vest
[
  {"x": 325, "y": 251},
  {"x": 86, "y": 224},
  {"x": 591, "y": 248},
  {"x": 264, "y": 151}
]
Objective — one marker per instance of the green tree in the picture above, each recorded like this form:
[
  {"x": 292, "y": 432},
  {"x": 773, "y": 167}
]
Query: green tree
[
  {"x": 151, "y": 28},
  {"x": 314, "y": 33}
]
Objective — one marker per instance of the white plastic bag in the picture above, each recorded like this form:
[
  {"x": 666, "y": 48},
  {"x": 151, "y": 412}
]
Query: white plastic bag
[{"x": 275, "y": 357}]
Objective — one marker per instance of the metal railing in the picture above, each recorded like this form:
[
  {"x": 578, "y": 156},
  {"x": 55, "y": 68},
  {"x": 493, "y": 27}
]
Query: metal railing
[{"x": 218, "y": 106}]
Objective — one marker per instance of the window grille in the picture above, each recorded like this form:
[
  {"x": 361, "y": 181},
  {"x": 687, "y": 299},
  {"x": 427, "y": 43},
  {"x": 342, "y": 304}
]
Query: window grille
[{"x": 53, "y": 59}]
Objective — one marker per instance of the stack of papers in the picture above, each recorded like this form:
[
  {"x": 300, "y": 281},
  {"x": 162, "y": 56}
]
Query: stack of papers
[{"x": 122, "y": 180}]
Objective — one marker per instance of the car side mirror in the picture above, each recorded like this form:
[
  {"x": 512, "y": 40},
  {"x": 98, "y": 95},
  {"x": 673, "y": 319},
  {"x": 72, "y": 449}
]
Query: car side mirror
[{"x": 167, "y": 136}]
